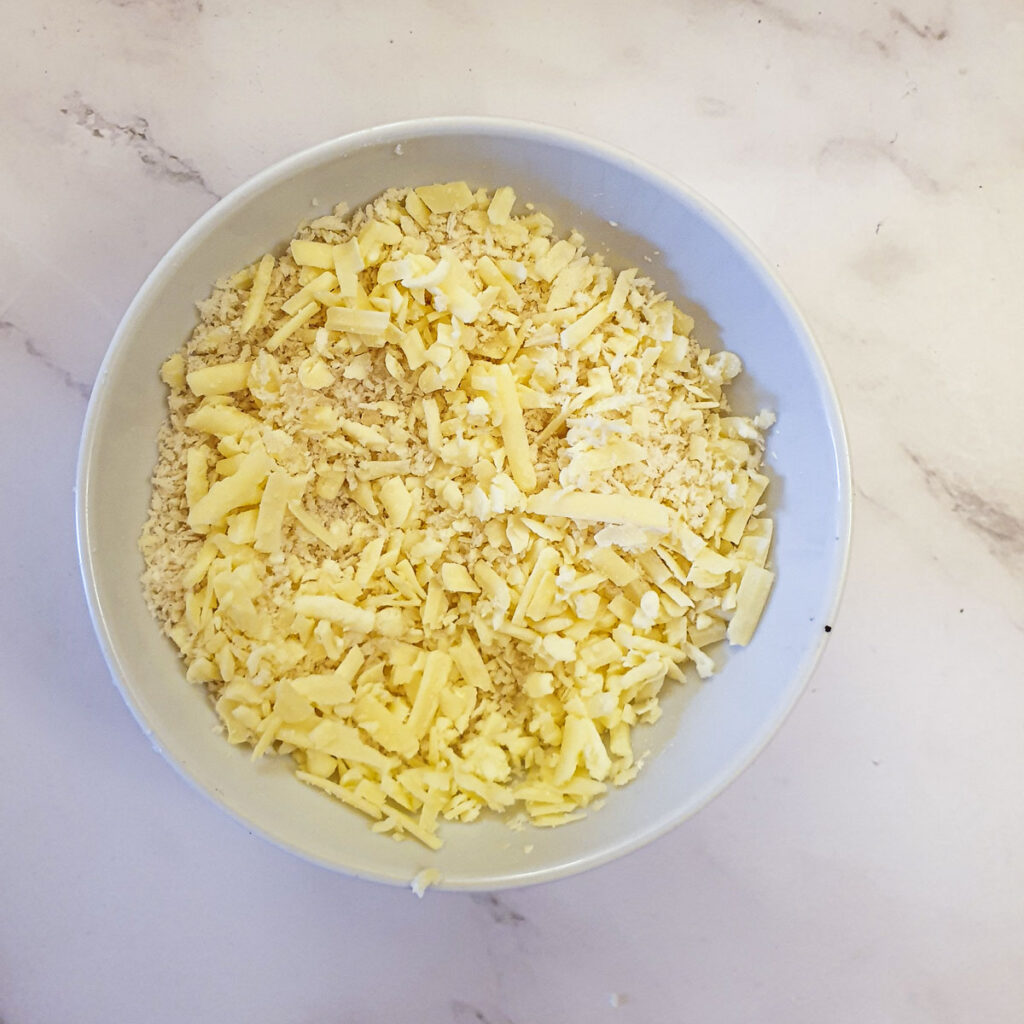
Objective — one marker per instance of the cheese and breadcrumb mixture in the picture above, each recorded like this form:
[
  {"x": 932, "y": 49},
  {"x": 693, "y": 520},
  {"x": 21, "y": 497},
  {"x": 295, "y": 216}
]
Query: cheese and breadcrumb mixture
[{"x": 442, "y": 502}]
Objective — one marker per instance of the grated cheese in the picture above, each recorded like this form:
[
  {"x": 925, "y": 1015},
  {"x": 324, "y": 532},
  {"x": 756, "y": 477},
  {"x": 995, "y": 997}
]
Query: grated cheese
[{"x": 441, "y": 504}]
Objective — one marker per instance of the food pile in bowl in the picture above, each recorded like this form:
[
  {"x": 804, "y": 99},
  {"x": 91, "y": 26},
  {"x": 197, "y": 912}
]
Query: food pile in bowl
[
  {"x": 454, "y": 484},
  {"x": 443, "y": 502}
]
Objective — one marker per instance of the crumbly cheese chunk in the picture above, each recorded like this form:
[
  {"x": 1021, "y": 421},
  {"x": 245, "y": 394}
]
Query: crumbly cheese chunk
[{"x": 443, "y": 502}]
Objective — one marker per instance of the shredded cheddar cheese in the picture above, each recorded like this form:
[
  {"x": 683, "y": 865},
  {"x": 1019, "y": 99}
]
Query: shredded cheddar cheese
[{"x": 442, "y": 503}]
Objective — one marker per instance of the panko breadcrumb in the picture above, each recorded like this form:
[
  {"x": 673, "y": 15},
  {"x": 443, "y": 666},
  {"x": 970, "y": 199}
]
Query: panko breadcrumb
[{"x": 440, "y": 504}]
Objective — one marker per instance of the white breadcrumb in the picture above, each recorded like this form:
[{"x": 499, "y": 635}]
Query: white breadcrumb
[{"x": 424, "y": 879}]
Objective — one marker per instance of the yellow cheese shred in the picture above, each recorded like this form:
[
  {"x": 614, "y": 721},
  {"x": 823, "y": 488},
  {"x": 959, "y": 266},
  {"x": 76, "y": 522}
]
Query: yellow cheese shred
[{"x": 443, "y": 502}]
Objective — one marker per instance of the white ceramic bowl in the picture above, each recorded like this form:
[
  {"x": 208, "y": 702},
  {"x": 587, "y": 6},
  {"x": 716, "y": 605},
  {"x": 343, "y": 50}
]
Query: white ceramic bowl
[{"x": 641, "y": 217}]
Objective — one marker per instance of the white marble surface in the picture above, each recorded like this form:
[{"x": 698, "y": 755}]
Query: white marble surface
[{"x": 869, "y": 866}]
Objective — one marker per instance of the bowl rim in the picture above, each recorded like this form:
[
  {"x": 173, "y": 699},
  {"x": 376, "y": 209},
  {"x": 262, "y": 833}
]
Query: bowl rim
[{"x": 395, "y": 133}]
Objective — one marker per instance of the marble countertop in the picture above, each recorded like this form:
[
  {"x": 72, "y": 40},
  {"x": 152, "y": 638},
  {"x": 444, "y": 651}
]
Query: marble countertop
[{"x": 869, "y": 866}]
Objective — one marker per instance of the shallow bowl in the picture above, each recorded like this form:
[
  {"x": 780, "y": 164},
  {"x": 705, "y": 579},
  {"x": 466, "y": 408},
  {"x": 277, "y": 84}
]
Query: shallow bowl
[{"x": 639, "y": 217}]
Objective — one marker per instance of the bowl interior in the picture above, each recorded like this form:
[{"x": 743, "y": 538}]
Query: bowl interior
[{"x": 640, "y": 218}]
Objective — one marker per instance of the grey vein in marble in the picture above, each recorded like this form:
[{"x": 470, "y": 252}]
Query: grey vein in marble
[
  {"x": 822, "y": 27},
  {"x": 467, "y": 1013},
  {"x": 172, "y": 7},
  {"x": 711, "y": 106},
  {"x": 68, "y": 379},
  {"x": 499, "y": 911},
  {"x": 1002, "y": 531},
  {"x": 137, "y": 136},
  {"x": 875, "y": 503},
  {"x": 848, "y": 150},
  {"x": 816, "y": 27},
  {"x": 924, "y": 32}
]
